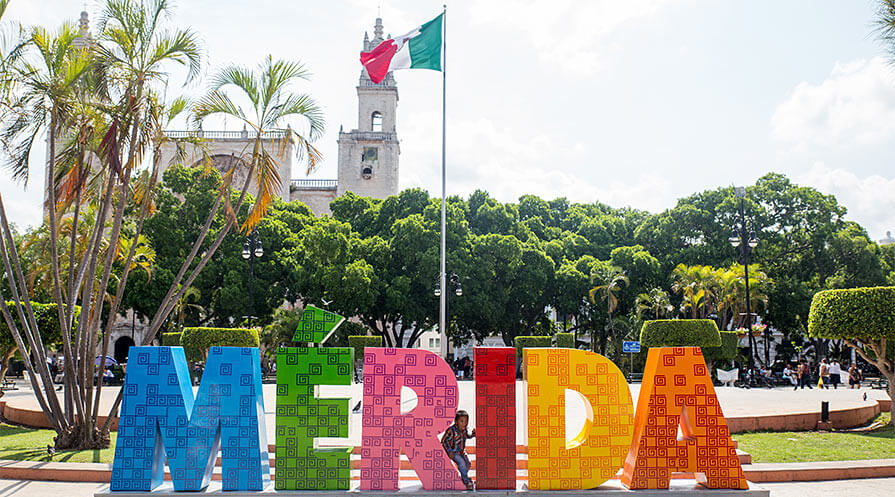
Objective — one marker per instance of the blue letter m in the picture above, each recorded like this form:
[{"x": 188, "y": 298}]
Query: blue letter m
[{"x": 159, "y": 418}]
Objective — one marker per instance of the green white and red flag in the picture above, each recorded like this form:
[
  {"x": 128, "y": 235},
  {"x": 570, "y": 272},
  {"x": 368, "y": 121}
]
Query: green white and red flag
[{"x": 418, "y": 49}]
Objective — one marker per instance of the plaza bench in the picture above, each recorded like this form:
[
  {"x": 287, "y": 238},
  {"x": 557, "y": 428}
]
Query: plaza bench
[
  {"x": 878, "y": 383},
  {"x": 727, "y": 378}
]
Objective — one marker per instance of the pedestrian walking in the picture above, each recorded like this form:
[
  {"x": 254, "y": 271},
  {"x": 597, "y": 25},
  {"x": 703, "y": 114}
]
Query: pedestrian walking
[
  {"x": 854, "y": 377},
  {"x": 835, "y": 374},
  {"x": 804, "y": 375},
  {"x": 824, "y": 373}
]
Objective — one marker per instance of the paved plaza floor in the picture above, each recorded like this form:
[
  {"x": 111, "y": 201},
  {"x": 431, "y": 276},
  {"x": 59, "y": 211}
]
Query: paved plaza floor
[
  {"x": 874, "y": 487},
  {"x": 735, "y": 402}
]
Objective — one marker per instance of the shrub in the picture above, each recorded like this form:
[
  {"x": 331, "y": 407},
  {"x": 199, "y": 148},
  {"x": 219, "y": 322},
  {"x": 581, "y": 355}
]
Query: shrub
[
  {"x": 565, "y": 340},
  {"x": 361, "y": 342},
  {"x": 197, "y": 341},
  {"x": 855, "y": 313},
  {"x": 530, "y": 342},
  {"x": 47, "y": 322},
  {"x": 680, "y": 333},
  {"x": 865, "y": 319},
  {"x": 726, "y": 352},
  {"x": 171, "y": 339}
]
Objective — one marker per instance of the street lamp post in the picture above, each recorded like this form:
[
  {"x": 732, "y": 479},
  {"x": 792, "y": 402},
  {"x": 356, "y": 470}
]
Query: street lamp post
[
  {"x": 252, "y": 249},
  {"x": 453, "y": 281},
  {"x": 745, "y": 241}
]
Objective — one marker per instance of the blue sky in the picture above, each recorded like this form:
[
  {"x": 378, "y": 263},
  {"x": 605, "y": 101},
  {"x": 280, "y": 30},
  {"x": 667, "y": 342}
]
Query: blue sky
[{"x": 633, "y": 103}]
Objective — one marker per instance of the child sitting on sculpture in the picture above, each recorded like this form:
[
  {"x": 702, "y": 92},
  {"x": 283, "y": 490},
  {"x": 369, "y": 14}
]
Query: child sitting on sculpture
[{"x": 454, "y": 443}]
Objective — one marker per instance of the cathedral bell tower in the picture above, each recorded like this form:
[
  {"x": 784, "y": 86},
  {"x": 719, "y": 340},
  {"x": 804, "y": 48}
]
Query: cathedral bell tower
[{"x": 368, "y": 155}]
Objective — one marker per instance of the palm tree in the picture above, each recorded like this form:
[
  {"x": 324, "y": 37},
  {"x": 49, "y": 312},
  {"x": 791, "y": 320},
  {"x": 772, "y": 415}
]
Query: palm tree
[
  {"x": 272, "y": 106},
  {"x": 698, "y": 288},
  {"x": 657, "y": 302},
  {"x": 885, "y": 26},
  {"x": 121, "y": 70},
  {"x": 47, "y": 75},
  {"x": 185, "y": 303},
  {"x": 609, "y": 281}
]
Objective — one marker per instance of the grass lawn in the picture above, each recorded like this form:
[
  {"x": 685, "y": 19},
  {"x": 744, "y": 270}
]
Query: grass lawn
[
  {"x": 780, "y": 447},
  {"x": 27, "y": 444}
]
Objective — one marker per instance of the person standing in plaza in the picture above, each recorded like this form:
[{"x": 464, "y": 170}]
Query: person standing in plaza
[
  {"x": 854, "y": 376},
  {"x": 835, "y": 374},
  {"x": 804, "y": 375},
  {"x": 824, "y": 371}
]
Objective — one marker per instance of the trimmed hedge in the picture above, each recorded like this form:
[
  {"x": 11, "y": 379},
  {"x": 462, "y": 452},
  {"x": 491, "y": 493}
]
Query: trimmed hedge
[
  {"x": 361, "y": 342},
  {"x": 858, "y": 313},
  {"x": 680, "y": 333},
  {"x": 47, "y": 321},
  {"x": 197, "y": 341},
  {"x": 530, "y": 342},
  {"x": 565, "y": 340},
  {"x": 728, "y": 349},
  {"x": 171, "y": 339}
]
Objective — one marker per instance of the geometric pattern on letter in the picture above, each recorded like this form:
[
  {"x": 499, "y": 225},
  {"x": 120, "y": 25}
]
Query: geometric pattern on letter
[
  {"x": 677, "y": 391},
  {"x": 386, "y": 432},
  {"x": 316, "y": 325},
  {"x": 302, "y": 417},
  {"x": 596, "y": 453},
  {"x": 495, "y": 414},
  {"x": 160, "y": 417}
]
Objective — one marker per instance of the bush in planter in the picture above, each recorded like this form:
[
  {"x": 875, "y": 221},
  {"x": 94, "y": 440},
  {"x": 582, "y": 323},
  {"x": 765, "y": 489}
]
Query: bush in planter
[
  {"x": 197, "y": 341},
  {"x": 680, "y": 333},
  {"x": 47, "y": 318},
  {"x": 730, "y": 342},
  {"x": 171, "y": 339},
  {"x": 565, "y": 340},
  {"x": 361, "y": 342},
  {"x": 865, "y": 319},
  {"x": 528, "y": 342}
]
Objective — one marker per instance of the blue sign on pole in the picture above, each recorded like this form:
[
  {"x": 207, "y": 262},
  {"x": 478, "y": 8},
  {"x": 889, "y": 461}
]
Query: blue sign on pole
[{"x": 631, "y": 347}]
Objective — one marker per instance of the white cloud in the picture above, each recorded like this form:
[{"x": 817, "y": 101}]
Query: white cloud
[
  {"x": 855, "y": 106},
  {"x": 869, "y": 199},
  {"x": 569, "y": 34},
  {"x": 509, "y": 164}
]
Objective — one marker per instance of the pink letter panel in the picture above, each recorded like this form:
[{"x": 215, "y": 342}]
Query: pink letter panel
[{"x": 386, "y": 432}]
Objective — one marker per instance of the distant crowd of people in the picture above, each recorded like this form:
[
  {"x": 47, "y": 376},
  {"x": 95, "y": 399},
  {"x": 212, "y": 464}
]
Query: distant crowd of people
[
  {"x": 829, "y": 373},
  {"x": 463, "y": 367}
]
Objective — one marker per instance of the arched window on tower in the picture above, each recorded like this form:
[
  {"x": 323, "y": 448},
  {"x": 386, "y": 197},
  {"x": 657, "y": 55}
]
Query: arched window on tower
[{"x": 377, "y": 121}]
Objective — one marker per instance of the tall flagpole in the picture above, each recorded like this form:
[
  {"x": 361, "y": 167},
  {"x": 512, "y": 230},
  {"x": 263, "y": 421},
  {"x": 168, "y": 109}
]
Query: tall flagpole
[{"x": 442, "y": 318}]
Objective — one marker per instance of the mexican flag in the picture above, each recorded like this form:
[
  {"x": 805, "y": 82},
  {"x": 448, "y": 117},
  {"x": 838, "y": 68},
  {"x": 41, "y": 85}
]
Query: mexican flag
[{"x": 418, "y": 49}]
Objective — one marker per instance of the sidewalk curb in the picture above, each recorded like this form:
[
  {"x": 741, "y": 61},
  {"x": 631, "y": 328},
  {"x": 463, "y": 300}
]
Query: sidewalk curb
[{"x": 756, "y": 473}]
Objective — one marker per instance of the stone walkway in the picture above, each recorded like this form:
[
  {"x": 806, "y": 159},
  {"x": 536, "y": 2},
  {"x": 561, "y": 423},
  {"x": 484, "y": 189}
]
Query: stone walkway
[
  {"x": 735, "y": 402},
  {"x": 876, "y": 487}
]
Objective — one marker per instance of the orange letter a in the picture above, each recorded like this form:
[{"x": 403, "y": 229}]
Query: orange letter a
[{"x": 677, "y": 391}]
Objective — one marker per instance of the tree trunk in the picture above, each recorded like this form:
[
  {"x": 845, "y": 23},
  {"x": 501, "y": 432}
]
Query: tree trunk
[
  {"x": 891, "y": 378},
  {"x": 5, "y": 365}
]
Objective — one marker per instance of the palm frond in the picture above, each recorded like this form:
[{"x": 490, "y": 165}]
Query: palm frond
[
  {"x": 240, "y": 77},
  {"x": 181, "y": 46},
  {"x": 217, "y": 102}
]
